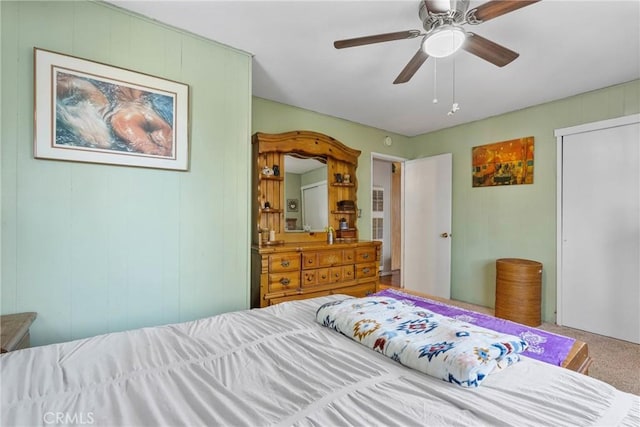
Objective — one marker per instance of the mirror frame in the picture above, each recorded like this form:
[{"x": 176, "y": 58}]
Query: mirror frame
[{"x": 305, "y": 144}]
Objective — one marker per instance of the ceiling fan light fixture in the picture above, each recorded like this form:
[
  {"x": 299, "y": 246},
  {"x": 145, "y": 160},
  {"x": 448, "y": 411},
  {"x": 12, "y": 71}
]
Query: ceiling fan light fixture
[{"x": 444, "y": 41}]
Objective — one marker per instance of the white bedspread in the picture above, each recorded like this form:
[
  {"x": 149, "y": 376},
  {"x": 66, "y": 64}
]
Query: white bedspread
[{"x": 277, "y": 366}]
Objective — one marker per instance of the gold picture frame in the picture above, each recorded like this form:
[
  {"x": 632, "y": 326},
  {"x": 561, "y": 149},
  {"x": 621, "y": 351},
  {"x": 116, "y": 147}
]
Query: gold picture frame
[{"x": 87, "y": 111}]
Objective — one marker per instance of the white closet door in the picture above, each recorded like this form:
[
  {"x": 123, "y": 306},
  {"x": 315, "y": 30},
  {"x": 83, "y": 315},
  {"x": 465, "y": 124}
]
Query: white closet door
[
  {"x": 314, "y": 206},
  {"x": 600, "y": 283}
]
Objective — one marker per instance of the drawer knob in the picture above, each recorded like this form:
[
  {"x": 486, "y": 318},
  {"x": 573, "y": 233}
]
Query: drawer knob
[
  {"x": 285, "y": 263},
  {"x": 285, "y": 281},
  {"x": 365, "y": 256},
  {"x": 324, "y": 276},
  {"x": 366, "y": 270}
]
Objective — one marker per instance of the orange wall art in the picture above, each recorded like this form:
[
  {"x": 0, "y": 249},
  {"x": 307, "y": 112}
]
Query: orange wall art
[{"x": 503, "y": 163}]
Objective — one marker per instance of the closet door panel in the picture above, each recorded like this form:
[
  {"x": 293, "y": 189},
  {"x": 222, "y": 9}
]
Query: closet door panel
[{"x": 601, "y": 232}]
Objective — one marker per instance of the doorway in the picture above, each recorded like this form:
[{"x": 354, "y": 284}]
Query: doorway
[
  {"x": 386, "y": 214},
  {"x": 419, "y": 244}
]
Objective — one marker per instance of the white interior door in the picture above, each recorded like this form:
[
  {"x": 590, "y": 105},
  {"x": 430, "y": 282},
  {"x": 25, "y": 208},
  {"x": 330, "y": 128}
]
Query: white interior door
[
  {"x": 426, "y": 236},
  {"x": 599, "y": 287}
]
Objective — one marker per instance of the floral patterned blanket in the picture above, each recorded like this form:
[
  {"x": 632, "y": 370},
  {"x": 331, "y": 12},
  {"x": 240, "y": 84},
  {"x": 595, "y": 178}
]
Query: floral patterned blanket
[
  {"x": 445, "y": 348},
  {"x": 541, "y": 345}
]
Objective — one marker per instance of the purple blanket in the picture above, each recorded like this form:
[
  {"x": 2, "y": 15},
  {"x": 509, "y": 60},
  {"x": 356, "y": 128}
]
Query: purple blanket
[{"x": 544, "y": 346}]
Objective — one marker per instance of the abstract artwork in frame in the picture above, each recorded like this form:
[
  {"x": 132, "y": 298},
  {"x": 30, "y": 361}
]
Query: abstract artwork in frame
[
  {"x": 91, "y": 112},
  {"x": 503, "y": 163}
]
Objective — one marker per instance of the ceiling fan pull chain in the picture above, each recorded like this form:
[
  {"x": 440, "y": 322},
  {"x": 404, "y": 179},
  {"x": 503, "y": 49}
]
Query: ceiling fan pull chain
[
  {"x": 454, "y": 106},
  {"x": 453, "y": 83},
  {"x": 435, "y": 82}
]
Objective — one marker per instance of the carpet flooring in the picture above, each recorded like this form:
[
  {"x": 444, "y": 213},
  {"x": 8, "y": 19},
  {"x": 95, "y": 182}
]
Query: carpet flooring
[{"x": 615, "y": 361}]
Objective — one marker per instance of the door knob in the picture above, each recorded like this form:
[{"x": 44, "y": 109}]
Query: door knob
[{"x": 445, "y": 235}]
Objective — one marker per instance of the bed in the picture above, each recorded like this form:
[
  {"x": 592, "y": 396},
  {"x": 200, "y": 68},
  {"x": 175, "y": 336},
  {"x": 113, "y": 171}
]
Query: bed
[{"x": 279, "y": 366}]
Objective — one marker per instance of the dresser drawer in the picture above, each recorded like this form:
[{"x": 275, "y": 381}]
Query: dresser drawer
[
  {"x": 284, "y": 281},
  {"x": 365, "y": 254},
  {"x": 357, "y": 291},
  {"x": 330, "y": 258},
  {"x": 323, "y": 276},
  {"x": 348, "y": 273},
  {"x": 335, "y": 274},
  {"x": 309, "y": 278},
  {"x": 349, "y": 256},
  {"x": 366, "y": 270},
  {"x": 284, "y": 262},
  {"x": 309, "y": 260}
]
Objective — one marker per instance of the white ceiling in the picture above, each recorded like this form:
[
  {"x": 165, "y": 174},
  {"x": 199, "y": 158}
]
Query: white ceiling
[
  {"x": 566, "y": 47},
  {"x": 297, "y": 165}
]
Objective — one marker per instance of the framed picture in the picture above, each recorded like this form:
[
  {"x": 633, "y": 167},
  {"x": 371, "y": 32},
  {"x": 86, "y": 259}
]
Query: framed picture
[
  {"x": 91, "y": 112},
  {"x": 503, "y": 163},
  {"x": 292, "y": 205}
]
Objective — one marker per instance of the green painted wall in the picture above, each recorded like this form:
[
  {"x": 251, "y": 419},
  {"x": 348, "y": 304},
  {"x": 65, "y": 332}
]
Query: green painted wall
[
  {"x": 517, "y": 221},
  {"x": 273, "y": 117},
  {"x": 292, "y": 191},
  {"x": 98, "y": 248}
]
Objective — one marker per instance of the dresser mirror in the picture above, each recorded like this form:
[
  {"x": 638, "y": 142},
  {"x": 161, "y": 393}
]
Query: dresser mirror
[
  {"x": 296, "y": 204},
  {"x": 306, "y": 194}
]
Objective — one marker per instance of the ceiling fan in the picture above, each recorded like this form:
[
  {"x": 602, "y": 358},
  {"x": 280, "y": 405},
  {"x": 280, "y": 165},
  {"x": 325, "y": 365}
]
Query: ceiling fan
[{"x": 443, "y": 22}]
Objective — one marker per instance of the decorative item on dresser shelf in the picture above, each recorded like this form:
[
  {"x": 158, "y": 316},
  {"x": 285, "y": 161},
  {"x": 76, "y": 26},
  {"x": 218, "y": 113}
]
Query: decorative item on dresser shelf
[
  {"x": 346, "y": 205},
  {"x": 344, "y": 232},
  {"x": 15, "y": 330},
  {"x": 330, "y": 233},
  {"x": 306, "y": 257},
  {"x": 343, "y": 224},
  {"x": 347, "y": 233}
]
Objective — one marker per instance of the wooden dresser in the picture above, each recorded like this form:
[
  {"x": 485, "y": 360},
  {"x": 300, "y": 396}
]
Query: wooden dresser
[
  {"x": 306, "y": 270},
  {"x": 287, "y": 261}
]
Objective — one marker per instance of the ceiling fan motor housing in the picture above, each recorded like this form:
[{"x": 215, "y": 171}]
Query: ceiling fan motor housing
[{"x": 434, "y": 13}]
